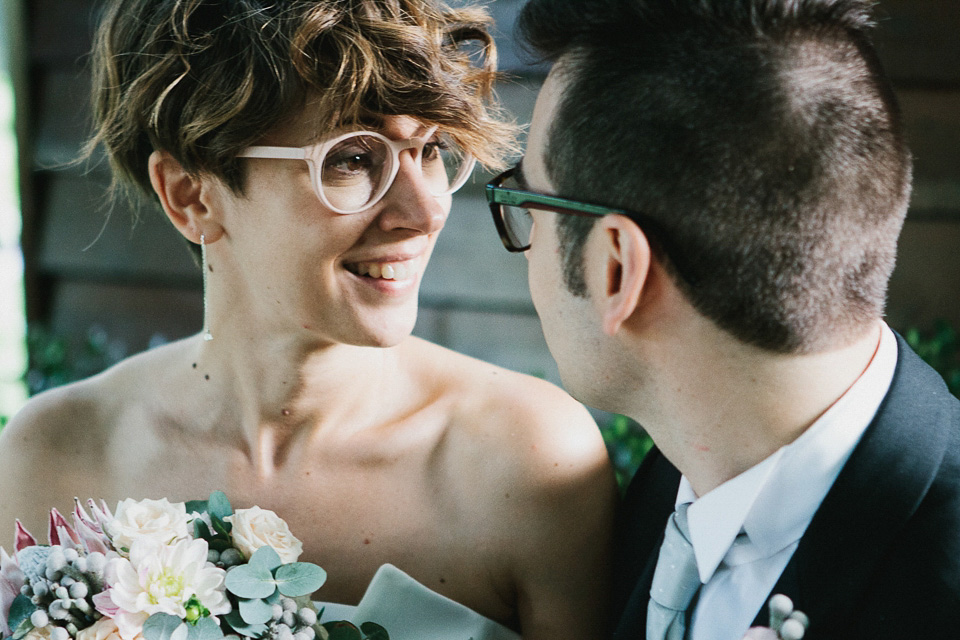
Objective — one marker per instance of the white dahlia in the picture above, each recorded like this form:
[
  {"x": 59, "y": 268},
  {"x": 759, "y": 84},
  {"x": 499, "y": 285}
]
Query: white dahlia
[{"x": 164, "y": 579}]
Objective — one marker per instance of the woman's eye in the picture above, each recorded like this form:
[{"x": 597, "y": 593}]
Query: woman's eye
[
  {"x": 349, "y": 162},
  {"x": 433, "y": 149}
]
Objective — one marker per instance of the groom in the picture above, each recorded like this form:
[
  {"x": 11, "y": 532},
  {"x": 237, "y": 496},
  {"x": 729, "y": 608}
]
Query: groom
[{"x": 733, "y": 178}]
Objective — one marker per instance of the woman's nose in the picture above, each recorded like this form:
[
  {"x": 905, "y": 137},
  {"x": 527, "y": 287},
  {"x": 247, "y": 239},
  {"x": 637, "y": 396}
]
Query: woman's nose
[{"x": 409, "y": 203}]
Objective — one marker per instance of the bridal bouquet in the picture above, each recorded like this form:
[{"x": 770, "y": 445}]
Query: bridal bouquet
[{"x": 156, "y": 570}]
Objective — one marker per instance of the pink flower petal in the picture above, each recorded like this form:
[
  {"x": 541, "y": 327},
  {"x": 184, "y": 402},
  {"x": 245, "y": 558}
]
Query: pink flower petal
[
  {"x": 104, "y": 603},
  {"x": 23, "y": 538},
  {"x": 60, "y": 529}
]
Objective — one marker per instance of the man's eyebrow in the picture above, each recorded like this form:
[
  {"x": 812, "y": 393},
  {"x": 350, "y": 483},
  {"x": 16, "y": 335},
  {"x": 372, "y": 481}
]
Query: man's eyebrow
[{"x": 519, "y": 177}]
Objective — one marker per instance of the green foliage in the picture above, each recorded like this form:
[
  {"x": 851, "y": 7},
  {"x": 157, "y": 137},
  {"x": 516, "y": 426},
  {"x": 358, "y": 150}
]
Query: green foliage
[
  {"x": 627, "y": 444},
  {"x": 163, "y": 626},
  {"x": 940, "y": 348},
  {"x": 217, "y": 507},
  {"x": 343, "y": 630},
  {"x": 259, "y": 581},
  {"x": 19, "y": 617},
  {"x": 55, "y": 359}
]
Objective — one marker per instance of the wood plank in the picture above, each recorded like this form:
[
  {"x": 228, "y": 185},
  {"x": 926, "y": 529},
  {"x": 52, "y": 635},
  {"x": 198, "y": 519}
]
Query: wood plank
[
  {"x": 917, "y": 40},
  {"x": 82, "y": 239},
  {"x": 926, "y": 282}
]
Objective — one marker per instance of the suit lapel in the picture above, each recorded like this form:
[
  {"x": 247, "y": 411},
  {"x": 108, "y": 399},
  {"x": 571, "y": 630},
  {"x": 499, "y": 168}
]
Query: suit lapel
[
  {"x": 877, "y": 491},
  {"x": 643, "y": 515}
]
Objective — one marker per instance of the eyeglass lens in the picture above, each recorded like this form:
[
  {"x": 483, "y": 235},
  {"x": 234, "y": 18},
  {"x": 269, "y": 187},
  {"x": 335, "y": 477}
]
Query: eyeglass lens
[
  {"x": 356, "y": 170},
  {"x": 517, "y": 221}
]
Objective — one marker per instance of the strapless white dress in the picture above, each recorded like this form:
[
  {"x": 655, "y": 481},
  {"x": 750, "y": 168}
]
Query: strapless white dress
[{"x": 410, "y": 611}]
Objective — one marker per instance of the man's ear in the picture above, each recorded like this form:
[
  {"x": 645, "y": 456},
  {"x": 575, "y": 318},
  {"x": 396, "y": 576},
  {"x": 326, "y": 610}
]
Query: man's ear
[
  {"x": 186, "y": 199},
  {"x": 626, "y": 255}
]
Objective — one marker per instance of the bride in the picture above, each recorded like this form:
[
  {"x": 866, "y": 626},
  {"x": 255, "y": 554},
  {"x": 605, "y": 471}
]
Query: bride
[{"x": 309, "y": 147}]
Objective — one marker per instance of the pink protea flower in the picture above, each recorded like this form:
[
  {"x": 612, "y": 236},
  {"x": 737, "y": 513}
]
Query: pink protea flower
[
  {"x": 23, "y": 538},
  {"x": 60, "y": 531},
  {"x": 11, "y": 580},
  {"x": 90, "y": 532},
  {"x": 101, "y": 514}
]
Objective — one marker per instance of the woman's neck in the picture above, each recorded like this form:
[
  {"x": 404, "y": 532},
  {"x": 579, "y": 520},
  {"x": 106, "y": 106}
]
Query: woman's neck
[{"x": 275, "y": 391}]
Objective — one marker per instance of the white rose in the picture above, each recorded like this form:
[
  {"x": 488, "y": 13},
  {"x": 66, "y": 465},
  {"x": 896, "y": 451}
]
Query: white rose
[
  {"x": 156, "y": 520},
  {"x": 255, "y": 527}
]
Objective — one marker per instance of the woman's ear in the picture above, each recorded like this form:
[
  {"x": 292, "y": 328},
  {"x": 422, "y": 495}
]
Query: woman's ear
[
  {"x": 624, "y": 252},
  {"x": 186, "y": 199}
]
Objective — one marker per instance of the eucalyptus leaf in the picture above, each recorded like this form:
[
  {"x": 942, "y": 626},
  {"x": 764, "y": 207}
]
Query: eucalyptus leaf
[
  {"x": 342, "y": 630},
  {"x": 204, "y": 629},
  {"x": 201, "y": 530},
  {"x": 250, "y": 581},
  {"x": 299, "y": 578},
  {"x": 219, "y": 506},
  {"x": 266, "y": 557},
  {"x": 255, "y": 611},
  {"x": 237, "y": 624},
  {"x": 22, "y": 629},
  {"x": 222, "y": 528},
  {"x": 20, "y": 610},
  {"x": 196, "y": 506},
  {"x": 373, "y": 631},
  {"x": 161, "y": 626}
]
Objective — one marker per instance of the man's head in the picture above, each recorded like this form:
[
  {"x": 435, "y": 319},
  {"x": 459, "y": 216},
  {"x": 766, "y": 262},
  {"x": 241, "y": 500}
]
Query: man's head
[
  {"x": 204, "y": 79},
  {"x": 760, "y": 136}
]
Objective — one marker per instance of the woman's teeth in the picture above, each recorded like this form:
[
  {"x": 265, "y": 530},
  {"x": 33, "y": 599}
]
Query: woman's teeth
[{"x": 384, "y": 270}]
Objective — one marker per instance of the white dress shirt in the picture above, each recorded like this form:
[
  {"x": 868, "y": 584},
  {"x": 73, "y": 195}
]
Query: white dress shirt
[{"x": 773, "y": 503}]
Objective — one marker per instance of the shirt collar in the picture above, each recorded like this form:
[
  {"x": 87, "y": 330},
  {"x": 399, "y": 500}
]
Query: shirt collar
[{"x": 774, "y": 501}]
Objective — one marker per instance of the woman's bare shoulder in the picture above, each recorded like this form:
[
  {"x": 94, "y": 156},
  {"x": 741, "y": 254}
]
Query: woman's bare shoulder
[
  {"x": 65, "y": 421},
  {"x": 536, "y": 431}
]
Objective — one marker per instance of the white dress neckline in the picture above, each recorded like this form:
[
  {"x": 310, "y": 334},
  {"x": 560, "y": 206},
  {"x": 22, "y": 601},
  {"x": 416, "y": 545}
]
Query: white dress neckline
[{"x": 410, "y": 611}]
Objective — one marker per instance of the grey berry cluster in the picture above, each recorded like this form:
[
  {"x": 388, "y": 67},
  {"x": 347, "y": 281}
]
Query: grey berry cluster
[
  {"x": 291, "y": 621},
  {"x": 61, "y": 582},
  {"x": 226, "y": 558}
]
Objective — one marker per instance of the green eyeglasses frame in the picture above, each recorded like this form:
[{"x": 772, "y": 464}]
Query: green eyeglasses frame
[{"x": 498, "y": 195}]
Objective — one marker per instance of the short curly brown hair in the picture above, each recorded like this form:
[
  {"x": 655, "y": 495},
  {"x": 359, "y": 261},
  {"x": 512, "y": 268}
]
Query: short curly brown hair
[{"x": 203, "y": 79}]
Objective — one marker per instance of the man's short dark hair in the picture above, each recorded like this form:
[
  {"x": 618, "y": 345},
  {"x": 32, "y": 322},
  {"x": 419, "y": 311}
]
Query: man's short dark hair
[{"x": 761, "y": 135}]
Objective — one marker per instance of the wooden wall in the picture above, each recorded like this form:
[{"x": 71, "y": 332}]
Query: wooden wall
[{"x": 86, "y": 267}]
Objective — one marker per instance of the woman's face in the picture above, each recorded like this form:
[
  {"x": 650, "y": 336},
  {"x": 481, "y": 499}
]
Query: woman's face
[{"x": 293, "y": 265}]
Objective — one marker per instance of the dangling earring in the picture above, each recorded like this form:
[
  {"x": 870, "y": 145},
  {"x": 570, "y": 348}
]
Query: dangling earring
[{"x": 203, "y": 265}]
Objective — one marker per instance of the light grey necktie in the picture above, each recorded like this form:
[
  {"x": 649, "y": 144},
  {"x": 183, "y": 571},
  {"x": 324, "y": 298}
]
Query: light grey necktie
[{"x": 675, "y": 581}]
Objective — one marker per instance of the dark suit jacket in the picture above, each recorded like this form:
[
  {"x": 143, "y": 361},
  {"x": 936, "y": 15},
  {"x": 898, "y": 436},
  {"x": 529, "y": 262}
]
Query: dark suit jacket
[{"x": 881, "y": 557}]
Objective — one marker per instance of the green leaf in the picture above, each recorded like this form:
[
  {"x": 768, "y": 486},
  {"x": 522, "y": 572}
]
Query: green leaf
[
  {"x": 250, "y": 581},
  {"x": 220, "y": 544},
  {"x": 163, "y": 626},
  {"x": 204, "y": 629},
  {"x": 373, "y": 631},
  {"x": 222, "y": 528},
  {"x": 299, "y": 579},
  {"x": 342, "y": 630},
  {"x": 218, "y": 505},
  {"x": 255, "y": 611},
  {"x": 237, "y": 624},
  {"x": 201, "y": 530},
  {"x": 20, "y": 610},
  {"x": 196, "y": 506},
  {"x": 266, "y": 557}
]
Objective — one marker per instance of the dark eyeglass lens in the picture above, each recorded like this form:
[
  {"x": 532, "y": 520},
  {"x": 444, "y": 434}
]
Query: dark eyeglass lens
[{"x": 518, "y": 223}]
